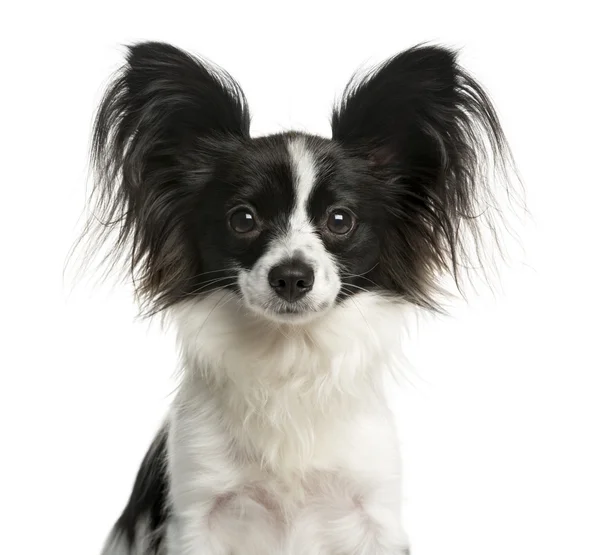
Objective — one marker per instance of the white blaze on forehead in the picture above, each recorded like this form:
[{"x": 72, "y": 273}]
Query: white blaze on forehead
[
  {"x": 300, "y": 239},
  {"x": 304, "y": 173}
]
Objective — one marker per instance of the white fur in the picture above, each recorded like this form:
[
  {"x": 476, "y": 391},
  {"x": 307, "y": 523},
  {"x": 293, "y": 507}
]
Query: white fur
[
  {"x": 298, "y": 240},
  {"x": 280, "y": 441}
]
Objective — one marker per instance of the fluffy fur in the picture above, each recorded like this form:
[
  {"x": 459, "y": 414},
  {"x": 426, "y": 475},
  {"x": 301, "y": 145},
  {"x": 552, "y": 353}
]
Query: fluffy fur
[{"x": 287, "y": 264}]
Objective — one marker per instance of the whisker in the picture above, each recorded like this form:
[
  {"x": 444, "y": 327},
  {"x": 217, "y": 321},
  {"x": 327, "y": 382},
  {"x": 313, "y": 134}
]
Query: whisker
[
  {"x": 210, "y": 313},
  {"x": 361, "y": 277},
  {"x": 362, "y": 314},
  {"x": 344, "y": 284},
  {"x": 364, "y": 273},
  {"x": 212, "y": 282},
  {"x": 230, "y": 269},
  {"x": 206, "y": 288}
]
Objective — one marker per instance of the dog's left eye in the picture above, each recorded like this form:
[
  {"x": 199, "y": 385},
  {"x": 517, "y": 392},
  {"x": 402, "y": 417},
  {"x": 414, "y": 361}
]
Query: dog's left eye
[
  {"x": 242, "y": 221},
  {"x": 340, "y": 222}
]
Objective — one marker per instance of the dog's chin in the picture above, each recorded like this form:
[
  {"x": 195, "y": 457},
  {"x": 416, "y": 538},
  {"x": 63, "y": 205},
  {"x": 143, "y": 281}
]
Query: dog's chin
[{"x": 296, "y": 314}]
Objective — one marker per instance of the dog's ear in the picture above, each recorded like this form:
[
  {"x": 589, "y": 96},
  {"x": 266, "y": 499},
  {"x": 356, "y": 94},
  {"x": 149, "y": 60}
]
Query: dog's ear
[
  {"x": 400, "y": 107},
  {"x": 162, "y": 101},
  {"x": 430, "y": 134},
  {"x": 161, "y": 121}
]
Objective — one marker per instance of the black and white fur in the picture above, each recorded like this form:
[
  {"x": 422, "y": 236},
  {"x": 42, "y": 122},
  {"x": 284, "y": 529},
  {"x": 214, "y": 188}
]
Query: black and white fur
[{"x": 287, "y": 264}]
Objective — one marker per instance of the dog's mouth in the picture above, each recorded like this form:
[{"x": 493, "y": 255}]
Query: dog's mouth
[
  {"x": 291, "y": 310},
  {"x": 290, "y": 313}
]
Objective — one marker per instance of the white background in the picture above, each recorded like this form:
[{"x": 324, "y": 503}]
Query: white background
[{"x": 500, "y": 423}]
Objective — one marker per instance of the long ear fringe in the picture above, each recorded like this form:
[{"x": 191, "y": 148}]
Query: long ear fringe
[
  {"x": 160, "y": 103},
  {"x": 453, "y": 225},
  {"x": 482, "y": 188}
]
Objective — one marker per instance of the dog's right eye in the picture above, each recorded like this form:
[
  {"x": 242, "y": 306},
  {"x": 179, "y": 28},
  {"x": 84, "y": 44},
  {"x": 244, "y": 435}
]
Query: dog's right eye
[
  {"x": 242, "y": 221},
  {"x": 341, "y": 222}
]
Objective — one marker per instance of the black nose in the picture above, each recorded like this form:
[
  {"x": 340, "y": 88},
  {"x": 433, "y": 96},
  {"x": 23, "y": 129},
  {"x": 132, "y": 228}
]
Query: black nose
[{"x": 292, "y": 280}]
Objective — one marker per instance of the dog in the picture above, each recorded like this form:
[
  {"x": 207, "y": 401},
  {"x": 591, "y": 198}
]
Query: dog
[{"x": 288, "y": 265}]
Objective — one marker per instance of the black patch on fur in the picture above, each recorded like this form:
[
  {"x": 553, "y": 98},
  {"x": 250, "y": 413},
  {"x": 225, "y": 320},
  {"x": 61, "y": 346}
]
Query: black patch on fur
[
  {"x": 148, "y": 503},
  {"x": 257, "y": 175},
  {"x": 343, "y": 182},
  {"x": 162, "y": 122},
  {"x": 432, "y": 139}
]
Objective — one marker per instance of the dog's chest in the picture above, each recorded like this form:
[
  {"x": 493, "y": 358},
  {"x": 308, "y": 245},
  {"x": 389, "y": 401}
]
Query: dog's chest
[
  {"x": 332, "y": 503},
  {"x": 273, "y": 475},
  {"x": 267, "y": 516}
]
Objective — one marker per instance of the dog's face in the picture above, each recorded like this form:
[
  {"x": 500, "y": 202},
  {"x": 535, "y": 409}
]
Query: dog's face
[
  {"x": 290, "y": 223},
  {"x": 293, "y": 224}
]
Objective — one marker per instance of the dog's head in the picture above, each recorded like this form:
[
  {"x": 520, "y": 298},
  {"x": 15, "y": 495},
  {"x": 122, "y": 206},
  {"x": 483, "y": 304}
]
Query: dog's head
[{"x": 293, "y": 224}]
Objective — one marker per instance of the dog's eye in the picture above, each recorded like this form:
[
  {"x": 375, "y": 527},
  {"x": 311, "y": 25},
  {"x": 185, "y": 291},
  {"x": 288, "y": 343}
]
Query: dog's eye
[
  {"x": 242, "y": 221},
  {"x": 340, "y": 222}
]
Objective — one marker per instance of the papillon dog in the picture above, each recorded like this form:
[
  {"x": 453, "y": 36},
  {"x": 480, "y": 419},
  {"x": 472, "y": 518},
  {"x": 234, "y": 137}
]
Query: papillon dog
[{"x": 287, "y": 265}]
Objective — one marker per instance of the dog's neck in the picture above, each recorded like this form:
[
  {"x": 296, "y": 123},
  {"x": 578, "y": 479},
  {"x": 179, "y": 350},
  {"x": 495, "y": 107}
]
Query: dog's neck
[
  {"x": 286, "y": 393},
  {"x": 342, "y": 350}
]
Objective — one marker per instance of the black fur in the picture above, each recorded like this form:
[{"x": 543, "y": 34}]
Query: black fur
[
  {"x": 430, "y": 134},
  {"x": 160, "y": 124},
  {"x": 148, "y": 502}
]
